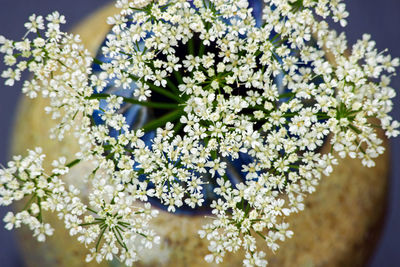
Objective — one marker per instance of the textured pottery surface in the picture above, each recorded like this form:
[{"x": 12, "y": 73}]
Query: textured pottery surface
[{"x": 339, "y": 226}]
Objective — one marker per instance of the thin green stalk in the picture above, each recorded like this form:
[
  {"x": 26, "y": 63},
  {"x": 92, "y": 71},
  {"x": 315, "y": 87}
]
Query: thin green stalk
[
  {"x": 100, "y": 236},
  {"x": 164, "y": 92},
  {"x": 137, "y": 102},
  {"x": 118, "y": 237},
  {"x": 97, "y": 61},
  {"x": 40, "y": 209},
  {"x": 73, "y": 163},
  {"x": 29, "y": 202},
  {"x": 191, "y": 46},
  {"x": 260, "y": 234},
  {"x": 201, "y": 49},
  {"x": 163, "y": 120},
  {"x": 89, "y": 209},
  {"x": 92, "y": 223},
  {"x": 172, "y": 86},
  {"x": 178, "y": 77},
  {"x": 178, "y": 127},
  {"x": 354, "y": 128}
]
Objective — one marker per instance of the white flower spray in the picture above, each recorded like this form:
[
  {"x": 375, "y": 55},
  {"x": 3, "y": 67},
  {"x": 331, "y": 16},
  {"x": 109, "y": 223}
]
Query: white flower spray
[{"x": 230, "y": 88}]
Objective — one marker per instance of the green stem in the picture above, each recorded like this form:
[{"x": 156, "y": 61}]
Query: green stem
[
  {"x": 260, "y": 234},
  {"x": 29, "y": 202},
  {"x": 285, "y": 95},
  {"x": 163, "y": 120},
  {"x": 178, "y": 77},
  {"x": 164, "y": 92},
  {"x": 172, "y": 86},
  {"x": 92, "y": 223},
  {"x": 97, "y": 61},
  {"x": 137, "y": 102},
  {"x": 101, "y": 235},
  {"x": 191, "y": 46},
  {"x": 201, "y": 49},
  {"x": 355, "y": 129},
  {"x": 119, "y": 236},
  {"x": 89, "y": 209},
  {"x": 40, "y": 209},
  {"x": 73, "y": 163},
  {"x": 178, "y": 127}
]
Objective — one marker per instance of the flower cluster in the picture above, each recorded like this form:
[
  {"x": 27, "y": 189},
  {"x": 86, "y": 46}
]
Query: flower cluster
[{"x": 250, "y": 100}]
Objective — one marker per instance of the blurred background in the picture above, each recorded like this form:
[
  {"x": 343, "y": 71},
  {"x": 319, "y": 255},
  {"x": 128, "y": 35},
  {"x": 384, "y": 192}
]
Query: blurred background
[{"x": 379, "y": 18}]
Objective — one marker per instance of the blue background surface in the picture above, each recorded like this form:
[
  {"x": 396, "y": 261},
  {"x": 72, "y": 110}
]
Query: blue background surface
[{"x": 379, "y": 18}]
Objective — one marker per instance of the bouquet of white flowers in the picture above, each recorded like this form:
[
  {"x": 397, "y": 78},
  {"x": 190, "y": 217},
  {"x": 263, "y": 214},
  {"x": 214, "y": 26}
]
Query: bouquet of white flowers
[{"x": 217, "y": 107}]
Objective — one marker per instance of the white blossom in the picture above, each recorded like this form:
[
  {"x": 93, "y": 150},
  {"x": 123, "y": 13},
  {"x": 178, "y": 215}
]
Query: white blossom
[{"x": 206, "y": 88}]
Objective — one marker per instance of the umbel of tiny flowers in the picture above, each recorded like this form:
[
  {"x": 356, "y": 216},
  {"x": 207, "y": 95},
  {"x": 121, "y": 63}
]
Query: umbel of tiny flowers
[{"x": 233, "y": 88}]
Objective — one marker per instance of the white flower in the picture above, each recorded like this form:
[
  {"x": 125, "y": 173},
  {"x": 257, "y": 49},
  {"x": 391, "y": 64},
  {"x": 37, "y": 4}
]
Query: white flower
[
  {"x": 220, "y": 92},
  {"x": 35, "y": 23}
]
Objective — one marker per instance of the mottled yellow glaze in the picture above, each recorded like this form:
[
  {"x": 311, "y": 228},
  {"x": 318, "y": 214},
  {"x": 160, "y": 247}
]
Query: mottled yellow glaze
[{"x": 338, "y": 227}]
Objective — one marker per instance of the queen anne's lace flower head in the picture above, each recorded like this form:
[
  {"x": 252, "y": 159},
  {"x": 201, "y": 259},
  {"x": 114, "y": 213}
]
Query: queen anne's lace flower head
[{"x": 205, "y": 105}]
